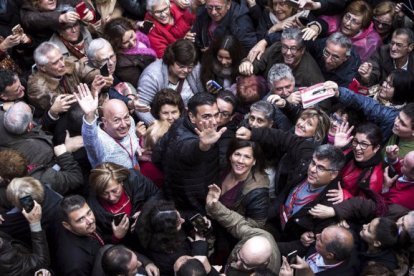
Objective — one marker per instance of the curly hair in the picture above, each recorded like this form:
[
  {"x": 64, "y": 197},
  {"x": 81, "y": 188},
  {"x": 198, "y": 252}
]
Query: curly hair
[
  {"x": 166, "y": 96},
  {"x": 12, "y": 164},
  {"x": 157, "y": 226}
]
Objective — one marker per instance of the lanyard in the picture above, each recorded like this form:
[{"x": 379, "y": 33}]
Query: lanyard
[{"x": 131, "y": 155}]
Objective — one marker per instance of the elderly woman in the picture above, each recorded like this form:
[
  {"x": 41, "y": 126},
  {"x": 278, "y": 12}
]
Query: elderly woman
[
  {"x": 170, "y": 23},
  {"x": 384, "y": 16},
  {"x": 117, "y": 190},
  {"x": 178, "y": 70},
  {"x": 133, "y": 49},
  {"x": 41, "y": 17},
  {"x": 356, "y": 24},
  {"x": 72, "y": 39}
]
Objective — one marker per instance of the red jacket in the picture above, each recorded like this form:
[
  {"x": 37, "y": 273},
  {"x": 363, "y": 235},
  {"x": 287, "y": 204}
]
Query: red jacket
[
  {"x": 350, "y": 175},
  {"x": 402, "y": 192},
  {"x": 163, "y": 35}
]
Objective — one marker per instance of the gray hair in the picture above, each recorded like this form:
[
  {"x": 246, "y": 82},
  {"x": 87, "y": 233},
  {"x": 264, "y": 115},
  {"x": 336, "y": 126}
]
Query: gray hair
[
  {"x": 341, "y": 40},
  {"x": 279, "y": 71},
  {"x": 94, "y": 46},
  {"x": 334, "y": 155},
  {"x": 264, "y": 107},
  {"x": 293, "y": 34},
  {"x": 152, "y": 3},
  {"x": 17, "y": 118},
  {"x": 405, "y": 31},
  {"x": 42, "y": 50}
]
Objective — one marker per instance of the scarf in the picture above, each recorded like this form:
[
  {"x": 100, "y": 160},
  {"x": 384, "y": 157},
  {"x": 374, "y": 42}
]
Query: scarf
[
  {"x": 78, "y": 50},
  {"x": 364, "y": 178},
  {"x": 140, "y": 48}
]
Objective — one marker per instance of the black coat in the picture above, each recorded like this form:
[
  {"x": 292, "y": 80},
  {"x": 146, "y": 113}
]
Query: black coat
[
  {"x": 188, "y": 170},
  {"x": 139, "y": 189}
]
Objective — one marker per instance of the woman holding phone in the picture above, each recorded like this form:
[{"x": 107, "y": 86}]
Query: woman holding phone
[
  {"x": 133, "y": 49},
  {"x": 117, "y": 195}
]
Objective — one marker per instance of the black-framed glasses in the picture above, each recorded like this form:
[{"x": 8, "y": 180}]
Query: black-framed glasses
[
  {"x": 293, "y": 49},
  {"x": 362, "y": 145},
  {"x": 320, "y": 168},
  {"x": 225, "y": 114},
  {"x": 336, "y": 118},
  {"x": 387, "y": 84}
]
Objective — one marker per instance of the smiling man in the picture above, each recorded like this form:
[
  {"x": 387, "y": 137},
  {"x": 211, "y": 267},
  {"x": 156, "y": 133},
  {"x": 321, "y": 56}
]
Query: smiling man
[
  {"x": 115, "y": 139},
  {"x": 224, "y": 17},
  {"x": 77, "y": 241},
  {"x": 291, "y": 50}
]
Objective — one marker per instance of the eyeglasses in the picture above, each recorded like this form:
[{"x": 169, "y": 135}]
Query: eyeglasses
[
  {"x": 104, "y": 61},
  {"x": 327, "y": 54},
  {"x": 160, "y": 12},
  {"x": 188, "y": 67},
  {"x": 217, "y": 8},
  {"x": 293, "y": 49},
  {"x": 348, "y": 18},
  {"x": 335, "y": 118},
  {"x": 398, "y": 45},
  {"x": 362, "y": 145},
  {"x": 380, "y": 24},
  {"x": 319, "y": 168}
]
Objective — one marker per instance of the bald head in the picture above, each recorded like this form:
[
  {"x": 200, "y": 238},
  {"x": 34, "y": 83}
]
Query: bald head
[
  {"x": 256, "y": 251},
  {"x": 335, "y": 243},
  {"x": 116, "y": 120},
  {"x": 408, "y": 165}
]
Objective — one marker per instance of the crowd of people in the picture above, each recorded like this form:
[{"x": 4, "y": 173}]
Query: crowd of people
[{"x": 174, "y": 137}]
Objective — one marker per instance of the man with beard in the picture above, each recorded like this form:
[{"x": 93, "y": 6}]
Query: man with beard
[
  {"x": 291, "y": 50},
  {"x": 398, "y": 54}
]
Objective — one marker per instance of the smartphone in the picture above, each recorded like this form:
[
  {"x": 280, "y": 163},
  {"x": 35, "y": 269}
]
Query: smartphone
[
  {"x": 118, "y": 218},
  {"x": 81, "y": 9},
  {"x": 407, "y": 11},
  {"x": 291, "y": 257},
  {"x": 27, "y": 203},
  {"x": 17, "y": 30},
  {"x": 104, "y": 70},
  {"x": 214, "y": 84},
  {"x": 391, "y": 171},
  {"x": 147, "y": 26},
  {"x": 199, "y": 223}
]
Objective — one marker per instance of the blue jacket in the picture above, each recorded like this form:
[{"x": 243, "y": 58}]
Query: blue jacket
[{"x": 373, "y": 111}]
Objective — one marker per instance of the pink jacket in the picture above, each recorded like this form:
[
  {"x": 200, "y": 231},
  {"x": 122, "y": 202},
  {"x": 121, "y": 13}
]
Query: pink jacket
[
  {"x": 163, "y": 35},
  {"x": 365, "y": 43}
]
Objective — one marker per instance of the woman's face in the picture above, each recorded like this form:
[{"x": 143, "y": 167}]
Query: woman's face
[
  {"x": 387, "y": 90},
  {"x": 368, "y": 231},
  {"x": 129, "y": 40},
  {"x": 47, "y": 5},
  {"x": 71, "y": 33},
  {"x": 337, "y": 118},
  {"x": 113, "y": 192},
  {"x": 169, "y": 113},
  {"x": 351, "y": 24},
  {"x": 161, "y": 13},
  {"x": 223, "y": 56},
  {"x": 282, "y": 9},
  {"x": 383, "y": 23},
  {"x": 306, "y": 126},
  {"x": 360, "y": 142},
  {"x": 180, "y": 71},
  {"x": 242, "y": 161}
]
